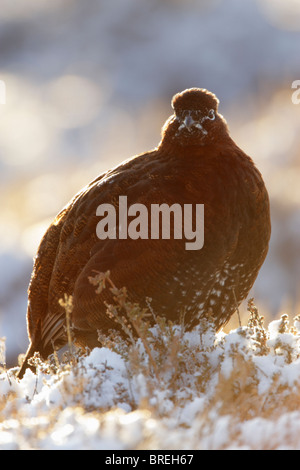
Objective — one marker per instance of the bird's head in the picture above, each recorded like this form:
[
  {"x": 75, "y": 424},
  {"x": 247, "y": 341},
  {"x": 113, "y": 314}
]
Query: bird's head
[{"x": 196, "y": 120}]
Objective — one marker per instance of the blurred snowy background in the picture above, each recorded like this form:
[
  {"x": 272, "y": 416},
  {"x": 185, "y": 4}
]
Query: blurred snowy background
[{"x": 89, "y": 83}]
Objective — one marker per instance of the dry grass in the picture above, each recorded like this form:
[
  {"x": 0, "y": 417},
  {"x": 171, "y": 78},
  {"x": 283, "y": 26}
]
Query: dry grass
[{"x": 160, "y": 372}]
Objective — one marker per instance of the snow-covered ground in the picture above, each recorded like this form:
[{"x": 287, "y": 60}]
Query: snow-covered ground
[{"x": 206, "y": 391}]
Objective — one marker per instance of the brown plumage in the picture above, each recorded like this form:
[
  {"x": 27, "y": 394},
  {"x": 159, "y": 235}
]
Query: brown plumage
[{"x": 196, "y": 162}]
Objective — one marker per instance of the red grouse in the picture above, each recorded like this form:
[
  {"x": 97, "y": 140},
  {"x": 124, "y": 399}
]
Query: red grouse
[{"x": 196, "y": 162}]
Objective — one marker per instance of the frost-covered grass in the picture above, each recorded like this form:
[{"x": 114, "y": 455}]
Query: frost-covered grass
[{"x": 168, "y": 389}]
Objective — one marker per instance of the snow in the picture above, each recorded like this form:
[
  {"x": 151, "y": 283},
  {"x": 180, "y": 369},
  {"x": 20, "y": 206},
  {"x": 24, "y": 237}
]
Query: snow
[{"x": 227, "y": 395}]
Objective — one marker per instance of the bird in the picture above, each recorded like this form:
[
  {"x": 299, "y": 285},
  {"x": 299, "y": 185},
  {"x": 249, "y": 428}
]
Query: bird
[{"x": 196, "y": 163}]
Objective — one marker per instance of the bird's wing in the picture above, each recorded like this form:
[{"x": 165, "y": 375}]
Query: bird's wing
[
  {"x": 146, "y": 267},
  {"x": 134, "y": 264},
  {"x": 44, "y": 262}
]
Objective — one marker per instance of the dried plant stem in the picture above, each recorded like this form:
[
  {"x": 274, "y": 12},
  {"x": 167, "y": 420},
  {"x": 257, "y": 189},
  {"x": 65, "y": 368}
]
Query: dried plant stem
[{"x": 67, "y": 304}]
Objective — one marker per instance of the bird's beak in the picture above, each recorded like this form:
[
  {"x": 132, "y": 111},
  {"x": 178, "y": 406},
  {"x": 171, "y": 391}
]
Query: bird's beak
[{"x": 188, "y": 121}]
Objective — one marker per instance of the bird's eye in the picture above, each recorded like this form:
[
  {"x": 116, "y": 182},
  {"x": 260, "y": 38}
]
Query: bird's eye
[{"x": 211, "y": 114}]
